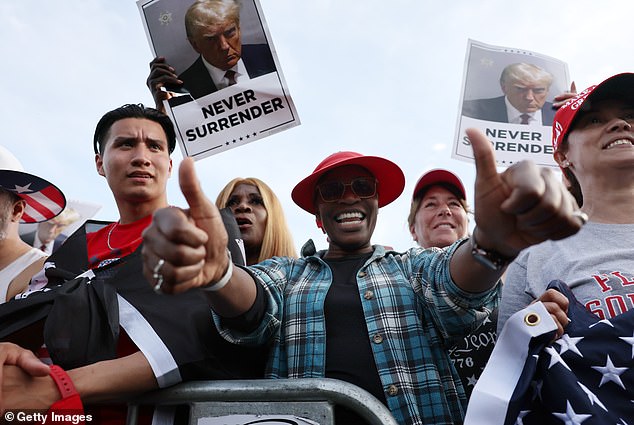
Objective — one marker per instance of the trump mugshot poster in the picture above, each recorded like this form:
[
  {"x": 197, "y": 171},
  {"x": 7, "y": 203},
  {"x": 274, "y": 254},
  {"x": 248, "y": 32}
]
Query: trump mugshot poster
[
  {"x": 508, "y": 93},
  {"x": 233, "y": 90}
]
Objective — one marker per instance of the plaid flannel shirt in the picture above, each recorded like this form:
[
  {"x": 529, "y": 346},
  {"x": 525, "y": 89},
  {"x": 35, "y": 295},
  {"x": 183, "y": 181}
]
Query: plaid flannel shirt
[{"x": 412, "y": 308}]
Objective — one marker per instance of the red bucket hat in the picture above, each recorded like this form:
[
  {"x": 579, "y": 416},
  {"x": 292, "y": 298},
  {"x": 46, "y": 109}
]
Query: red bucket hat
[
  {"x": 436, "y": 176},
  {"x": 43, "y": 199},
  {"x": 619, "y": 86},
  {"x": 389, "y": 176}
]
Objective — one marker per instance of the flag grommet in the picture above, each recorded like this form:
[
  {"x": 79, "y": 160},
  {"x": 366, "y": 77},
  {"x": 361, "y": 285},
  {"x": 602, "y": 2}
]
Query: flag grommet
[{"x": 532, "y": 319}]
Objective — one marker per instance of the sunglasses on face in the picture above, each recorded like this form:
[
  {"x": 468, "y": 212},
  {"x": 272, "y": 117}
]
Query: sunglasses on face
[{"x": 363, "y": 187}]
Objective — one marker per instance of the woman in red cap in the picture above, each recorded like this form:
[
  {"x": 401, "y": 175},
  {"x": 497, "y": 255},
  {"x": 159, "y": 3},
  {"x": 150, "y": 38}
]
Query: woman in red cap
[
  {"x": 355, "y": 311},
  {"x": 438, "y": 218},
  {"x": 593, "y": 141},
  {"x": 587, "y": 372},
  {"x": 438, "y": 211}
]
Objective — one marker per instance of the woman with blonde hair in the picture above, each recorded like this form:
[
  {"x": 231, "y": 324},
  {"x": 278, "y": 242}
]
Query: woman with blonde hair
[{"x": 260, "y": 218}]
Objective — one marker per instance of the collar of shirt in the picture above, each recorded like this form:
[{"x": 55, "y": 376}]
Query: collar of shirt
[
  {"x": 218, "y": 75},
  {"x": 535, "y": 118}
]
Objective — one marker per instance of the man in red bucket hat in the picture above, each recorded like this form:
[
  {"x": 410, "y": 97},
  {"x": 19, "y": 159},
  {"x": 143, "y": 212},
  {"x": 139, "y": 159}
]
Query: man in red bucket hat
[{"x": 357, "y": 312}]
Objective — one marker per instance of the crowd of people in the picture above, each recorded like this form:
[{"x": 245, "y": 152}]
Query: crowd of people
[{"x": 98, "y": 325}]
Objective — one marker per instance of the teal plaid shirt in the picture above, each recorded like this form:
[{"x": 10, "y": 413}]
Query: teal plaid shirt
[{"x": 413, "y": 311}]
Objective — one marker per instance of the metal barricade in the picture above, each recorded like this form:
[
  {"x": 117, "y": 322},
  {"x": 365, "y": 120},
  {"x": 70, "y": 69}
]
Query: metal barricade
[{"x": 312, "y": 399}]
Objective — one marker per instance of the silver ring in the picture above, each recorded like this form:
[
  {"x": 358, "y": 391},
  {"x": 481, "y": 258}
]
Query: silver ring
[
  {"x": 158, "y": 266},
  {"x": 159, "y": 283},
  {"x": 158, "y": 276},
  {"x": 581, "y": 216}
]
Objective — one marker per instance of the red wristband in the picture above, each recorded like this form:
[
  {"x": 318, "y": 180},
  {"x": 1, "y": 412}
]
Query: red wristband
[
  {"x": 63, "y": 381},
  {"x": 70, "y": 406}
]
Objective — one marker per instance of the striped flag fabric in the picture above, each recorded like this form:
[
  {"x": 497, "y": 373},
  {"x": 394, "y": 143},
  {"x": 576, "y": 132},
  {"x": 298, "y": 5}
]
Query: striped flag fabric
[{"x": 584, "y": 377}]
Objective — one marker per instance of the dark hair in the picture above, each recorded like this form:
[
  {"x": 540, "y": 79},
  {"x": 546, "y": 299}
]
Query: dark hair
[
  {"x": 11, "y": 196},
  {"x": 572, "y": 185},
  {"x": 132, "y": 111}
]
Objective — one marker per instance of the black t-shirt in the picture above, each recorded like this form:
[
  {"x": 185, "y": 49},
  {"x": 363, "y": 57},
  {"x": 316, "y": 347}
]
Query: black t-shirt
[
  {"x": 349, "y": 354},
  {"x": 348, "y": 351}
]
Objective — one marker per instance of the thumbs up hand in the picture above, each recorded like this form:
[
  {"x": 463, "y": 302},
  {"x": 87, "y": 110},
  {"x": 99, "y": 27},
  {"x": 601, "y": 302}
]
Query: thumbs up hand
[
  {"x": 522, "y": 206},
  {"x": 183, "y": 249}
]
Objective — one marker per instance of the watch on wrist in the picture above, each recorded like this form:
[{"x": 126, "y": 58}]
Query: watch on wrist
[{"x": 490, "y": 259}]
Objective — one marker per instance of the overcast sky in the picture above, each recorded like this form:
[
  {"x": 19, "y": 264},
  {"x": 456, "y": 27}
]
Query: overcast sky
[{"x": 376, "y": 77}]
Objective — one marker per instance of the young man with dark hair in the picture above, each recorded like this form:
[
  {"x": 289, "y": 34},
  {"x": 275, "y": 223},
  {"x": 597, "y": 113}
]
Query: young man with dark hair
[{"x": 139, "y": 341}]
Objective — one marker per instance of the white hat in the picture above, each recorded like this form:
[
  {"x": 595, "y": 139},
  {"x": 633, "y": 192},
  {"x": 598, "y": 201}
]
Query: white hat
[{"x": 43, "y": 199}]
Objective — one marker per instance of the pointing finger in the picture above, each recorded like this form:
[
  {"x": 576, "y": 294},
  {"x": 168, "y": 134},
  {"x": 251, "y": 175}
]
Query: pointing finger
[
  {"x": 200, "y": 207},
  {"x": 202, "y": 211},
  {"x": 483, "y": 155}
]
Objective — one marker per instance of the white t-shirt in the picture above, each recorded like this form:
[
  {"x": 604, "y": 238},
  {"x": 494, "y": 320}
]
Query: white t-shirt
[{"x": 9, "y": 273}]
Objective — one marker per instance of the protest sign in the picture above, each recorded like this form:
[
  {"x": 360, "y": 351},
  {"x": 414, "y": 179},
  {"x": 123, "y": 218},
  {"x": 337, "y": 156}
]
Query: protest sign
[
  {"x": 507, "y": 93},
  {"x": 233, "y": 90}
]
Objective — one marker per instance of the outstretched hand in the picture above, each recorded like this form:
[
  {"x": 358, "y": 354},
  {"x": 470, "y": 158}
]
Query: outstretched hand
[
  {"x": 520, "y": 207},
  {"x": 192, "y": 243}
]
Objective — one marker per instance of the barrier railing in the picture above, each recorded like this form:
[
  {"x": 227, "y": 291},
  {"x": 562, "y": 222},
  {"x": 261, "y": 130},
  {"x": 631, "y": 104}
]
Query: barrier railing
[{"x": 309, "y": 398}]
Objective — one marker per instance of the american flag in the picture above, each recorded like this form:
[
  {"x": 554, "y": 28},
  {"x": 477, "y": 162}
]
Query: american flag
[
  {"x": 44, "y": 200},
  {"x": 584, "y": 377}
]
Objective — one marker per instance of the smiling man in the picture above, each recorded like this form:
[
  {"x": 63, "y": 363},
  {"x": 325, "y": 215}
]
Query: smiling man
[{"x": 356, "y": 311}]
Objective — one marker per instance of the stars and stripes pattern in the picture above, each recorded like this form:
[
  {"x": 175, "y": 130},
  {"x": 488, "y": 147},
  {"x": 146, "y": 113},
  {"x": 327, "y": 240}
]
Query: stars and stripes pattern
[
  {"x": 43, "y": 199},
  {"x": 585, "y": 377}
]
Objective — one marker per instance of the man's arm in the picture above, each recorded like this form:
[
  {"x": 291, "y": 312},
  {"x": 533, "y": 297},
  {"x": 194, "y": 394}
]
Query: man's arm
[
  {"x": 520, "y": 207},
  {"x": 114, "y": 380},
  {"x": 26, "y": 383}
]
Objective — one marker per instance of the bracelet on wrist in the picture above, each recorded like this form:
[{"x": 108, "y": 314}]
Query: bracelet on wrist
[
  {"x": 218, "y": 285},
  {"x": 70, "y": 401},
  {"x": 490, "y": 259}
]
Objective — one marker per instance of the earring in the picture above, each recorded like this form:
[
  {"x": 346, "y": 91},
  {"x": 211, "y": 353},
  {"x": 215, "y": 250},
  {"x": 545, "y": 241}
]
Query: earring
[{"x": 565, "y": 164}]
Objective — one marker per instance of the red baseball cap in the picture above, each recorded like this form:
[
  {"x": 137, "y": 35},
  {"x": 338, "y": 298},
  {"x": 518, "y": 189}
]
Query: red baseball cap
[
  {"x": 619, "y": 86},
  {"x": 389, "y": 176},
  {"x": 438, "y": 175}
]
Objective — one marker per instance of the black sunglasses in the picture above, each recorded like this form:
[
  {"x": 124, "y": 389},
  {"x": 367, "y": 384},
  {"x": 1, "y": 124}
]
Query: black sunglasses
[{"x": 333, "y": 191}]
